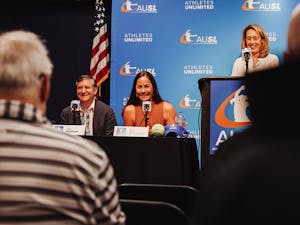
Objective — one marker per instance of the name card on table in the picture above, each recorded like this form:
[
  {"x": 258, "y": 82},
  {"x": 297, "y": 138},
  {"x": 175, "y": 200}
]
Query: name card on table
[
  {"x": 131, "y": 131},
  {"x": 71, "y": 129}
]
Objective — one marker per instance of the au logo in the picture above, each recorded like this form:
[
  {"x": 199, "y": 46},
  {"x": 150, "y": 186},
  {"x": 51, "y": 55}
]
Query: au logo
[
  {"x": 240, "y": 105},
  {"x": 126, "y": 69},
  {"x": 127, "y": 6},
  {"x": 248, "y": 5},
  {"x": 187, "y": 103},
  {"x": 185, "y": 38}
]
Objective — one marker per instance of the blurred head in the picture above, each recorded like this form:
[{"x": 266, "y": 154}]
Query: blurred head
[
  {"x": 86, "y": 89},
  {"x": 255, "y": 37},
  {"x": 293, "y": 36},
  {"x": 144, "y": 88},
  {"x": 25, "y": 68}
]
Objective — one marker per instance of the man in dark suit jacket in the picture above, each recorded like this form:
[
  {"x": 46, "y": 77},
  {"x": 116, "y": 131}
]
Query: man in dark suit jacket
[
  {"x": 254, "y": 178},
  {"x": 101, "y": 117}
]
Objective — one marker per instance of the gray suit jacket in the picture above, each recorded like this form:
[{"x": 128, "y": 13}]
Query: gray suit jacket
[{"x": 103, "y": 122}]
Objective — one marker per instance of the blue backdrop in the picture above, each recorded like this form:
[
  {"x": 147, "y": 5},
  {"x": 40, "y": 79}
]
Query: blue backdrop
[{"x": 182, "y": 41}]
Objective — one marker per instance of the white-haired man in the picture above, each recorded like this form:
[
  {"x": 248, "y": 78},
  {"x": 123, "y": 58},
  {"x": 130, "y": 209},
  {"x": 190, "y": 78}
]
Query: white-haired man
[{"x": 46, "y": 176}]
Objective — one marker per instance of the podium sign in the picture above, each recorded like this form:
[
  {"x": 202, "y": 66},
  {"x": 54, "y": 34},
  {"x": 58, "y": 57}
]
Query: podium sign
[{"x": 225, "y": 110}]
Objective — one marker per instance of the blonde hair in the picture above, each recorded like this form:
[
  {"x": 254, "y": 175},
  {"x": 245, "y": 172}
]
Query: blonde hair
[
  {"x": 23, "y": 59},
  {"x": 265, "y": 47}
]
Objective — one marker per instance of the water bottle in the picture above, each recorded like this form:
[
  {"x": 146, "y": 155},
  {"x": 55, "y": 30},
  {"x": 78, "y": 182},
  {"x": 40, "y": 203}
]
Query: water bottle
[{"x": 181, "y": 119}]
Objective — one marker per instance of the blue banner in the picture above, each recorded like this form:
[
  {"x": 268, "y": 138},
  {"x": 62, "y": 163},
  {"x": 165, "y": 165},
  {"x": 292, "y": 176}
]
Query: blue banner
[{"x": 182, "y": 41}]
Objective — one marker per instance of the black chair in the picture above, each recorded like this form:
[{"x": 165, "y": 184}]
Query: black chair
[
  {"x": 142, "y": 212},
  {"x": 181, "y": 196}
]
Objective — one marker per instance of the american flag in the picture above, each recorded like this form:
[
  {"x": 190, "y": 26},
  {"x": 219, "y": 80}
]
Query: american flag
[{"x": 99, "y": 66}]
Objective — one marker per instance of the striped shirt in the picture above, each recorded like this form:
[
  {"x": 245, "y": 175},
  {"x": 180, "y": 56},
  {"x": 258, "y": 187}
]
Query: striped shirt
[{"x": 51, "y": 178}]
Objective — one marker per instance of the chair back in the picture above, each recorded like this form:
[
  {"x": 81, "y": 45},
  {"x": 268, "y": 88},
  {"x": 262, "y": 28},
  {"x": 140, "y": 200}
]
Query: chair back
[
  {"x": 143, "y": 212},
  {"x": 181, "y": 196}
]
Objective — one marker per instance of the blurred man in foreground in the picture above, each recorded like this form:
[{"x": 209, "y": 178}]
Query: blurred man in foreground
[{"x": 46, "y": 176}]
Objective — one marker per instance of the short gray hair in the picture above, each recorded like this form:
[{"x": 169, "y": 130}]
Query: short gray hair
[
  {"x": 86, "y": 77},
  {"x": 23, "y": 59}
]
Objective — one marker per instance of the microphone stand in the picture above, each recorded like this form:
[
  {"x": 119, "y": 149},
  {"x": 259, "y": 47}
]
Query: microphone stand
[
  {"x": 247, "y": 57},
  {"x": 146, "y": 118},
  {"x": 74, "y": 117},
  {"x": 247, "y": 61}
]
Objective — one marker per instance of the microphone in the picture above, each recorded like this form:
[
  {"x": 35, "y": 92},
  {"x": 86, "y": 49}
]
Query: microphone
[
  {"x": 246, "y": 53},
  {"x": 75, "y": 105},
  {"x": 146, "y": 106},
  {"x": 75, "y": 112}
]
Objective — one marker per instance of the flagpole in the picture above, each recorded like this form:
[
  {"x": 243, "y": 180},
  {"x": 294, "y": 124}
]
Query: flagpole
[{"x": 99, "y": 87}]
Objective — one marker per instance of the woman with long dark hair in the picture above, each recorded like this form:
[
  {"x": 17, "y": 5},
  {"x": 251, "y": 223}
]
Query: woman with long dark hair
[{"x": 144, "y": 88}]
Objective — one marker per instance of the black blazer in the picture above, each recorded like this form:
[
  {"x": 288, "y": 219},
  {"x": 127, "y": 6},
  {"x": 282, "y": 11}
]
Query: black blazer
[{"x": 103, "y": 122}]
